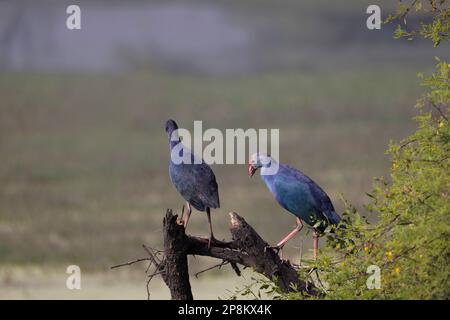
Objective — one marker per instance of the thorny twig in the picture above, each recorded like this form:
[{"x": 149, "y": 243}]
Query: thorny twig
[
  {"x": 150, "y": 277},
  {"x": 213, "y": 267},
  {"x": 408, "y": 9},
  {"x": 236, "y": 268},
  {"x": 154, "y": 260},
  {"x": 153, "y": 256},
  {"x": 129, "y": 263},
  {"x": 439, "y": 110}
]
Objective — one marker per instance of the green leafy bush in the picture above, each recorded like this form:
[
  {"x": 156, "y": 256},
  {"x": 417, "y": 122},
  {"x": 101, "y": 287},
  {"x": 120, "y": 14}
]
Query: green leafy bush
[
  {"x": 410, "y": 242},
  {"x": 435, "y": 30}
]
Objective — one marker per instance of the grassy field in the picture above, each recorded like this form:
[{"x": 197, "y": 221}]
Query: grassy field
[
  {"x": 50, "y": 283},
  {"x": 84, "y": 158}
]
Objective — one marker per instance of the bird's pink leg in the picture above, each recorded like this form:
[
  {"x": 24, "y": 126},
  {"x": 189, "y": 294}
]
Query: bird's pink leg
[
  {"x": 315, "y": 244},
  {"x": 297, "y": 229},
  {"x": 211, "y": 235},
  {"x": 188, "y": 214}
]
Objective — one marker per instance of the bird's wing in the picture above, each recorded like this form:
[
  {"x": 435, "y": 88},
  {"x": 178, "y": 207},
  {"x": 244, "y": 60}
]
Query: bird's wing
[
  {"x": 325, "y": 206},
  {"x": 308, "y": 195},
  {"x": 184, "y": 180},
  {"x": 196, "y": 183},
  {"x": 208, "y": 190},
  {"x": 207, "y": 185},
  {"x": 293, "y": 194}
]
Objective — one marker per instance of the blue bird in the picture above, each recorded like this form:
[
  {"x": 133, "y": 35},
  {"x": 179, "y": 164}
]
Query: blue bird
[
  {"x": 298, "y": 194},
  {"x": 194, "y": 180}
]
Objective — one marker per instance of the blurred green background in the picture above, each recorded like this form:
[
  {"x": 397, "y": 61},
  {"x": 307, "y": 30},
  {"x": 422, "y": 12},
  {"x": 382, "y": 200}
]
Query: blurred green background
[{"x": 83, "y": 174}]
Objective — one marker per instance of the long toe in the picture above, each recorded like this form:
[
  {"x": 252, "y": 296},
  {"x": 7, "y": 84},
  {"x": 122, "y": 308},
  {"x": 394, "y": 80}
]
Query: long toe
[{"x": 213, "y": 241}]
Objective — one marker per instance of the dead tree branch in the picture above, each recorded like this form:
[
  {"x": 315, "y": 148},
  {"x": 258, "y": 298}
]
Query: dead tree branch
[{"x": 247, "y": 248}]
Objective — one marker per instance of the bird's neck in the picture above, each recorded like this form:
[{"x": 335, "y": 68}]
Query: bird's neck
[
  {"x": 174, "y": 139},
  {"x": 268, "y": 173},
  {"x": 270, "y": 168},
  {"x": 173, "y": 143},
  {"x": 268, "y": 180}
]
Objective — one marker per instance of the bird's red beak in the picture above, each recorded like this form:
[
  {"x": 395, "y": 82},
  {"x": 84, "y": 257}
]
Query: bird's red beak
[{"x": 251, "y": 170}]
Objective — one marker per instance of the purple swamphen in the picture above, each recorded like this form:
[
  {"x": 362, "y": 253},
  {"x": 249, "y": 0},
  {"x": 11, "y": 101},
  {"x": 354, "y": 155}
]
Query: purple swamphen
[
  {"x": 298, "y": 194},
  {"x": 196, "y": 182}
]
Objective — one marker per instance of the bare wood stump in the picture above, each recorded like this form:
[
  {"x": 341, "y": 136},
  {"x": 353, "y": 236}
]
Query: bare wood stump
[
  {"x": 175, "y": 264},
  {"x": 247, "y": 249}
]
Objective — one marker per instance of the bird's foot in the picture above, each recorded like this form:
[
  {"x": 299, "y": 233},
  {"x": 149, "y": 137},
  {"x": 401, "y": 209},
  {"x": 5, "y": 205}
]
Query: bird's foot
[
  {"x": 212, "y": 240},
  {"x": 277, "y": 249}
]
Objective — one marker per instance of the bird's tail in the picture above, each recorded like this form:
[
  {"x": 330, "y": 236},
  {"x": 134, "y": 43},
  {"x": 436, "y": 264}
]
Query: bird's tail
[
  {"x": 341, "y": 232},
  {"x": 333, "y": 217},
  {"x": 332, "y": 223}
]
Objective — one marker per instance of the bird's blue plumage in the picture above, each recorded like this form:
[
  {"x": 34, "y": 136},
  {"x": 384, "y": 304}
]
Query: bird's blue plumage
[
  {"x": 300, "y": 195},
  {"x": 195, "y": 182}
]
